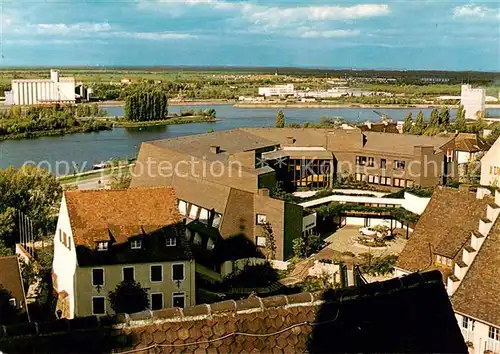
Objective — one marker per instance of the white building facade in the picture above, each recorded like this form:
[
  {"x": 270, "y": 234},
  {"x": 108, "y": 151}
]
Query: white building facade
[
  {"x": 277, "y": 90},
  {"x": 32, "y": 92},
  {"x": 473, "y": 100},
  {"x": 490, "y": 166}
]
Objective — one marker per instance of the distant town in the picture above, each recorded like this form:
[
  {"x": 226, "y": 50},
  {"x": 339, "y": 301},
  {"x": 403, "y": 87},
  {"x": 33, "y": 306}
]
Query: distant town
[{"x": 371, "y": 226}]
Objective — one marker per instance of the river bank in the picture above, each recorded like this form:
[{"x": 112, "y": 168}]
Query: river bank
[
  {"x": 168, "y": 121},
  {"x": 214, "y": 102}
]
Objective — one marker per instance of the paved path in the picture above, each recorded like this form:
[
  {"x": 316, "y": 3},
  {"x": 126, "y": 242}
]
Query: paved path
[{"x": 92, "y": 183}]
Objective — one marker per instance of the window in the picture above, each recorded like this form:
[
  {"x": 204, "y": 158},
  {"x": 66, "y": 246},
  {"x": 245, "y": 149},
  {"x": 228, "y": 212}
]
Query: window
[
  {"x": 371, "y": 179},
  {"x": 398, "y": 164},
  {"x": 203, "y": 215},
  {"x": 371, "y": 162},
  {"x": 261, "y": 219},
  {"x": 170, "y": 241},
  {"x": 383, "y": 163},
  {"x": 261, "y": 241},
  {"x": 494, "y": 333},
  {"x": 197, "y": 239},
  {"x": 360, "y": 160},
  {"x": 69, "y": 243},
  {"x": 360, "y": 177},
  {"x": 156, "y": 273},
  {"x": 178, "y": 272},
  {"x": 98, "y": 276},
  {"x": 65, "y": 239},
  {"x": 178, "y": 300},
  {"x": 98, "y": 305},
  {"x": 216, "y": 221},
  {"x": 182, "y": 207},
  {"x": 398, "y": 182},
  {"x": 376, "y": 179},
  {"x": 210, "y": 244},
  {"x": 135, "y": 244},
  {"x": 385, "y": 181},
  {"x": 128, "y": 274},
  {"x": 102, "y": 246},
  {"x": 409, "y": 183},
  {"x": 193, "y": 213},
  {"x": 60, "y": 236},
  {"x": 156, "y": 301},
  {"x": 468, "y": 323}
]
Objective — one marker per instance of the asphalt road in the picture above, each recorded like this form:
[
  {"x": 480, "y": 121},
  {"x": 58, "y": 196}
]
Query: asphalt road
[{"x": 92, "y": 183}]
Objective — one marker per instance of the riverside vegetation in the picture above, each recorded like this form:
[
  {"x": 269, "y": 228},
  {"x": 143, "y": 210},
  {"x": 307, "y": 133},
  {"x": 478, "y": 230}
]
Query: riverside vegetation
[
  {"x": 36, "y": 121},
  {"x": 148, "y": 108}
]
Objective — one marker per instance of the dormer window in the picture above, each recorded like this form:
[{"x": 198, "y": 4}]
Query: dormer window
[
  {"x": 135, "y": 244},
  {"x": 171, "y": 241},
  {"x": 102, "y": 246}
]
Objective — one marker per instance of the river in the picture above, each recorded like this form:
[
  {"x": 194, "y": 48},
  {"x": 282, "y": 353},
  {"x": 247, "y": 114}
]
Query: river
[{"x": 60, "y": 154}]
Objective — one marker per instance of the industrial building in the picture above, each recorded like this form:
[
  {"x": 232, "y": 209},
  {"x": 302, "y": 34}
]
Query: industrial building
[
  {"x": 27, "y": 92},
  {"x": 473, "y": 100},
  {"x": 277, "y": 90}
]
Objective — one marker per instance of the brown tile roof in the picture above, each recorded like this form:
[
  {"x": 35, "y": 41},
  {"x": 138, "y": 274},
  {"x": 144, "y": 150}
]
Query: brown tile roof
[
  {"x": 381, "y": 128},
  {"x": 478, "y": 295},
  {"x": 444, "y": 228},
  {"x": 11, "y": 279},
  {"x": 401, "y": 143},
  {"x": 415, "y": 308},
  {"x": 229, "y": 141},
  {"x": 124, "y": 213},
  {"x": 306, "y": 137}
]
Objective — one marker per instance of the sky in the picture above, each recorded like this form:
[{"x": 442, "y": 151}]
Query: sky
[{"x": 366, "y": 34}]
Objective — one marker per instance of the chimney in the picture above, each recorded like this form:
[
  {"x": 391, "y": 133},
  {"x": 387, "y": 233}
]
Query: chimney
[
  {"x": 290, "y": 140},
  {"x": 215, "y": 149},
  {"x": 264, "y": 192}
]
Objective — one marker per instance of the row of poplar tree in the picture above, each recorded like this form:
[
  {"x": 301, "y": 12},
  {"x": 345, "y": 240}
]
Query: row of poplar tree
[
  {"x": 146, "y": 106},
  {"x": 439, "y": 121}
]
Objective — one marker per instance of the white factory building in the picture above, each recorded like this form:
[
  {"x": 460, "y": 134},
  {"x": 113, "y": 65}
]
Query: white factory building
[
  {"x": 32, "y": 92},
  {"x": 473, "y": 100},
  {"x": 277, "y": 90}
]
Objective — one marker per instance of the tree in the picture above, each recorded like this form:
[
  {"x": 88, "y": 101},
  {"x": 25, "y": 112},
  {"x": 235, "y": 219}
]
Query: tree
[
  {"x": 280, "y": 120},
  {"x": 493, "y": 136},
  {"x": 267, "y": 232},
  {"x": 444, "y": 117},
  {"x": 128, "y": 297},
  {"x": 434, "y": 119},
  {"x": 146, "y": 106},
  {"x": 408, "y": 124},
  {"x": 33, "y": 191},
  {"x": 8, "y": 312},
  {"x": 305, "y": 246},
  {"x": 460, "y": 123},
  {"x": 121, "y": 181},
  {"x": 419, "y": 127}
]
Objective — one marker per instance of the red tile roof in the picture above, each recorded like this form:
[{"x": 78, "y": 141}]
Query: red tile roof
[
  {"x": 410, "y": 314},
  {"x": 123, "y": 213}
]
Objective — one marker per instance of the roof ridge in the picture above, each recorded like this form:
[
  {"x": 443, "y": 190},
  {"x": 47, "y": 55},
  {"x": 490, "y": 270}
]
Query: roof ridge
[{"x": 82, "y": 191}]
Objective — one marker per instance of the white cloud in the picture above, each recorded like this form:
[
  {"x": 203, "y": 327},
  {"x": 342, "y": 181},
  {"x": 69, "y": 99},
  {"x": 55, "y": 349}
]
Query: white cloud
[
  {"x": 330, "y": 34},
  {"x": 62, "y": 28},
  {"x": 472, "y": 11},
  {"x": 277, "y": 15},
  {"x": 154, "y": 35}
]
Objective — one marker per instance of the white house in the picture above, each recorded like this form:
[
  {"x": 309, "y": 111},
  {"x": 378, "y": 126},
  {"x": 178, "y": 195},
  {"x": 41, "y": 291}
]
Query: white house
[
  {"x": 105, "y": 237},
  {"x": 459, "y": 234},
  {"x": 490, "y": 166}
]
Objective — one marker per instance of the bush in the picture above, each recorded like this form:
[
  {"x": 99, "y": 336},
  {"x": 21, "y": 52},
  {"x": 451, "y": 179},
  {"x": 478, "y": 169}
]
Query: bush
[
  {"x": 129, "y": 297},
  {"x": 377, "y": 265},
  {"x": 304, "y": 247}
]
